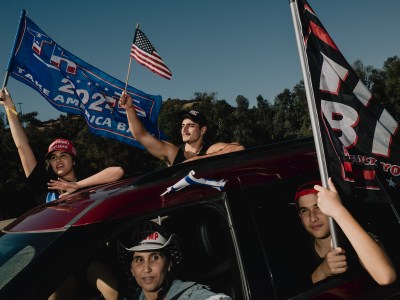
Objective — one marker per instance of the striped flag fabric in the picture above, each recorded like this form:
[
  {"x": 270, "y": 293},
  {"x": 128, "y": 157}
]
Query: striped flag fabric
[
  {"x": 145, "y": 54},
  {"x": 189, "y": 179}
]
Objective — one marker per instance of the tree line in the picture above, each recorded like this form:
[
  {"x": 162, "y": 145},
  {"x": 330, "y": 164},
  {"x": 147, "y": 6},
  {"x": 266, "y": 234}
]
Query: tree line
[{"x": 284, "y": 118}]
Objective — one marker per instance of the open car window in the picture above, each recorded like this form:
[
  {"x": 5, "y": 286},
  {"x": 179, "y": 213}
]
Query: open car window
[
  {"x": 288, "y": 247},
  {"x": 206, "y": 243}
]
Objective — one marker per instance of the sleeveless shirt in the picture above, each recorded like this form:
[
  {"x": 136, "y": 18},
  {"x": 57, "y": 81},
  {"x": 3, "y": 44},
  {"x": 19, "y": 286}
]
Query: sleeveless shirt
[{"x": 180, "y": 156}]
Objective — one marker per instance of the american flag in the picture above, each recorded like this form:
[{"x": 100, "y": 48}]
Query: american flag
[
  {"x": 189, "y": 179},
  {"x": 145, "y": 54}
]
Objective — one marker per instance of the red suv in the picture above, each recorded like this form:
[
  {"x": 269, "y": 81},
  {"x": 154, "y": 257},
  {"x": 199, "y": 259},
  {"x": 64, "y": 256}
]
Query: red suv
[{"x": 245, "y": 240}]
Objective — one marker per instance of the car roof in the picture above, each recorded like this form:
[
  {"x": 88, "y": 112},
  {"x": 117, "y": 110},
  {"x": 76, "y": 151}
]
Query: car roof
[{"x": 143, "y": 194}]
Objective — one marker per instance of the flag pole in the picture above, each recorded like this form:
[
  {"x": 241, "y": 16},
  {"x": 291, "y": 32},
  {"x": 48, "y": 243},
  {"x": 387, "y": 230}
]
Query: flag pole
[
  {"x": 130, "y": 60},
  {"x": 129, "y": 71},
  {"x": 313, "y": 112},
  {"x": 7, "y": 75}
]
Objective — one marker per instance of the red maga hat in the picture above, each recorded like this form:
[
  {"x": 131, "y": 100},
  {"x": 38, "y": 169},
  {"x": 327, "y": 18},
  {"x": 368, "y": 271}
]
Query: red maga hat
[{"x": 61, "y": 145}]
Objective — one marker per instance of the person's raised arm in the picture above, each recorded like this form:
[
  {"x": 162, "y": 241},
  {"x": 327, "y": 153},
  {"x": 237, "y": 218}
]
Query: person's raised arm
[
  {"x": 107, "y": 175},
  {"x": 160, "y": 149},
  {"x": 25, "y": 152},
  {"x": 371, "y": 254}
]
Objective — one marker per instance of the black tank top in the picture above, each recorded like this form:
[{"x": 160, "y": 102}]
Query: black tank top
[{"x": 180, "y": 156}]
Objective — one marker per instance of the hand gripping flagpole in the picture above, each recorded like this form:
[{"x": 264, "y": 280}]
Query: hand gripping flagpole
[
  {"x": 130, "y": 59},
  {"x": 10, "y": 60},
  {"x": 313, "y": 112}
]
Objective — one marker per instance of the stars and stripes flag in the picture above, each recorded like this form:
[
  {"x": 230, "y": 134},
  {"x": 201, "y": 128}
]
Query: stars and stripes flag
[
  {"x": 145, "y": 54},
  {"x": 359, "y": 139}
]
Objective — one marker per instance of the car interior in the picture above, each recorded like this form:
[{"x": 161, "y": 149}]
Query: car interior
[
  {"x": 205, "y": 242},
  {"x": 287, "y": 242},
  {"x": 207, "y": 247}
]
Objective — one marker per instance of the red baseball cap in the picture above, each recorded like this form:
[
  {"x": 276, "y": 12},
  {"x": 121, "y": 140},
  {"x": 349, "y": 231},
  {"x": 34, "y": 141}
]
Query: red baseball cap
[
  {"x": 61, "y": 145},
  {"x": 306, "y": 189}
]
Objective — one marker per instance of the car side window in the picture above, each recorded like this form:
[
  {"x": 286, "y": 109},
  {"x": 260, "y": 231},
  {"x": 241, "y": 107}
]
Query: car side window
[
  {"x": 206, "y": 246},
  {"x": 285, "y": 242},
  {"x": 288, "y": 247}
]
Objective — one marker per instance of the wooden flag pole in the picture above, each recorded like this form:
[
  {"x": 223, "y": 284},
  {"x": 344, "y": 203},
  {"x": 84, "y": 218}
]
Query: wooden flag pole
[
  {"x": 130, "y": 60},
  {"x": 127, "y": 75}
]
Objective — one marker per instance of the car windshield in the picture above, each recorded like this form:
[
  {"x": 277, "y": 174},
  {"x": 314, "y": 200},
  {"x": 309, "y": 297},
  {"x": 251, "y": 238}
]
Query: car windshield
[{"x": 18, "y": 250}]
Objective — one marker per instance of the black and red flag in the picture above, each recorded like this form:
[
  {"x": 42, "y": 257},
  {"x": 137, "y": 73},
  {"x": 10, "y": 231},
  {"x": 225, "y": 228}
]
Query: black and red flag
[{"x": 359, "y": 138}]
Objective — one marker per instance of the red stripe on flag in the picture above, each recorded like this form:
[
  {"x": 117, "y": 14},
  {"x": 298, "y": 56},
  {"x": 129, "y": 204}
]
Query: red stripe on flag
[
  {"x": 322, "y": 35},
  {"x": 370, "y": 175},
  {"x": 347, "y": 166}
]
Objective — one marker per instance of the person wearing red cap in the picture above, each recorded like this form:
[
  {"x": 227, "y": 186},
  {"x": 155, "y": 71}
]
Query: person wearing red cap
[
  {"x": 315, "y": 204},
  {"x": 61, "y": 179},
  {"x": 194, "y": 128},
  {"x": 60, "y": 157}
]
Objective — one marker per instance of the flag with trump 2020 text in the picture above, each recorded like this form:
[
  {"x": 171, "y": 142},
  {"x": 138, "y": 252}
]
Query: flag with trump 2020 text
[
  {"x": 75, "y": 87},
  {"x": 360, "y": 138}
]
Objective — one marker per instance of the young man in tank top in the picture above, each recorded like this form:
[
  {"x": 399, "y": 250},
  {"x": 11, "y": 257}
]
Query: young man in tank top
[{"x": 194, "y": 127}]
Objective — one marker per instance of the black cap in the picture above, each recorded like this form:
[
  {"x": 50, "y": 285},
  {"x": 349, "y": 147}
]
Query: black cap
[{"x": 196, "y": 117}]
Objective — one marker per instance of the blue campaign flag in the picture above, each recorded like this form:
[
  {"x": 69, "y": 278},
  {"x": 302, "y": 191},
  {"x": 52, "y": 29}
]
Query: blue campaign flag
[{"x": 73, "y": 86}]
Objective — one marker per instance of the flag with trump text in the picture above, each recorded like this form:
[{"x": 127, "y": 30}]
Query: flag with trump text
[
  {"x": 145, "y": 54},
  {"x": 75, "y": 87},
  {"x": 360, "y": 138}
]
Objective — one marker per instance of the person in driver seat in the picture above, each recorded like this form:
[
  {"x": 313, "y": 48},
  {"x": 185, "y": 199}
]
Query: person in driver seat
[{"x": 152, "y": 256}]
